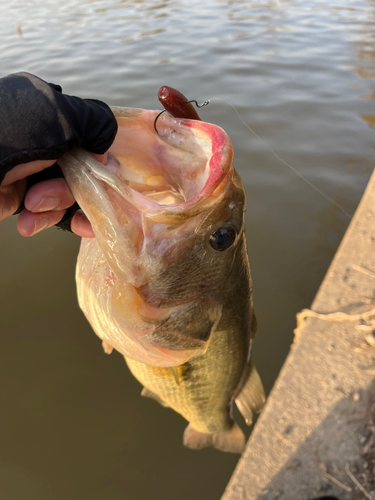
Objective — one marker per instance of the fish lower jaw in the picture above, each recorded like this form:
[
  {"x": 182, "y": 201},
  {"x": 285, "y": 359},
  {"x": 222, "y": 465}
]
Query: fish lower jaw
[
  {"x": 162, "y": 358},
  {"x": 146, "y": 354},
  {"x": 163, "y": 301}
]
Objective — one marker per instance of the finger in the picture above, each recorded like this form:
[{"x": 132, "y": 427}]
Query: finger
[
  {"x": 81, "y": 226},
  {"x": 29, "y": 223},
  {"x": 23, "y": 170},
  {"x": 45, "y": 196},
  {"x": 11, "y": 197}
]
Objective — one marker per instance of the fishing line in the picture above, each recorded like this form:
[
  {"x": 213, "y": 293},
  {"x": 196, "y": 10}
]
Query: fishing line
[{"x": 278, "y": 157}]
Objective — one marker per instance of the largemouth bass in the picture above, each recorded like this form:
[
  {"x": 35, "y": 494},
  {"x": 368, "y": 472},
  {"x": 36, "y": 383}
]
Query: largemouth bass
[{"x": 166, "y": 281}]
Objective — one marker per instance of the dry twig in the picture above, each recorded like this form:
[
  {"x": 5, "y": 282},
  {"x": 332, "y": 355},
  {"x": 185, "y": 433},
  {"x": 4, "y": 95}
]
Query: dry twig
[
  {"x": 363, "y": 270},
  {"x": 336, "y": 316},
  {"x": 335, "y": 481},
  {"x": 358, "y": 484}
]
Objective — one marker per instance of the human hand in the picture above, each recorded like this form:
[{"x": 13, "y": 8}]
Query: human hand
[{"x": 37, "y": 125}]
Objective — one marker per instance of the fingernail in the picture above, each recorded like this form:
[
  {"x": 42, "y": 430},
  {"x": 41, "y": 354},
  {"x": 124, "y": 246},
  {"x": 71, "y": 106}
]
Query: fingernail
[
  {"x": 47, "y": 203},
  {"x": 40, "y": 224}
]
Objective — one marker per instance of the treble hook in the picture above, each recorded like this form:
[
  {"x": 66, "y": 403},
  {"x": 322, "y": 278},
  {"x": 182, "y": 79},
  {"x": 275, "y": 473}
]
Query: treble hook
[{"x": 187, "y": 102}]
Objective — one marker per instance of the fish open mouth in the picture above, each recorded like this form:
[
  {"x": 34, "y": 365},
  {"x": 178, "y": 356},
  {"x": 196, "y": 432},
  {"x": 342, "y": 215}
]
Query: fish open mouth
[
  {"x": 146, "y": 206},
  {"x": 177, "y": 169},
  {"x": 149, "y": 179}
]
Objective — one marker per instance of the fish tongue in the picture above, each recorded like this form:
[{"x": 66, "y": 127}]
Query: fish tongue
[{"x": 114, "y": 210}]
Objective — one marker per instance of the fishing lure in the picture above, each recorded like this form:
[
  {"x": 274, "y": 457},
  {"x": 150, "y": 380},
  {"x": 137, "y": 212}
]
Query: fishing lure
[{"x": 177, "y": 105}]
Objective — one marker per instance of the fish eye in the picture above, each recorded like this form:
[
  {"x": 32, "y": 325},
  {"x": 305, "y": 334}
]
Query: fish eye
[{"x": 223, "y": 238}]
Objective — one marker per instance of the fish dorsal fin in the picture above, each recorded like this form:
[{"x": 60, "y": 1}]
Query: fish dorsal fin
[
  {"x": 252, "y": 397},
  {"x": 149, "y": 394}
]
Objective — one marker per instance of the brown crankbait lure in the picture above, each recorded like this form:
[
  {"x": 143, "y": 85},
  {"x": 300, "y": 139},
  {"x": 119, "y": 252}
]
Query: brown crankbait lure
[{"x": 177, "y": 105}]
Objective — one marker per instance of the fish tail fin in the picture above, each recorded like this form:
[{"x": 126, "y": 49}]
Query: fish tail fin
[
  {"x": 196, "y": 440},
  {"x": 252, "y": 396},
  {"x": 232, "y": 441}
]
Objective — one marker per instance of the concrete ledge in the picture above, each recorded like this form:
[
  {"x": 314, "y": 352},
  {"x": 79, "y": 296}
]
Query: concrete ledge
[{"x": 314, "y": 422}]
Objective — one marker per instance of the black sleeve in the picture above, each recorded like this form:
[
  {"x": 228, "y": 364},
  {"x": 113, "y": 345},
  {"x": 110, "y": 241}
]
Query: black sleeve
[{"x": 38, "y": 122}]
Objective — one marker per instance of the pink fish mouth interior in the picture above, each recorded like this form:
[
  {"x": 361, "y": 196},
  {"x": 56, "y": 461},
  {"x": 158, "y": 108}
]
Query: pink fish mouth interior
[{"x": 177, "y": 169}]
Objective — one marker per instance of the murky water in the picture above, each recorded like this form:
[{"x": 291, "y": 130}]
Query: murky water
[{"x": 301, "y": 74}]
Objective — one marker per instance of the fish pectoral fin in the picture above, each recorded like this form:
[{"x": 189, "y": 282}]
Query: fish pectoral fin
[
  {"x": 175, "y": 375},
  {"x": 149, "y": 394},
  {"x": 254, "y": 326},
  {"x": 232, "y": 441},
  {"x": 252, "y": 397}
]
